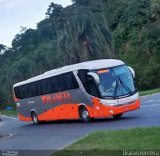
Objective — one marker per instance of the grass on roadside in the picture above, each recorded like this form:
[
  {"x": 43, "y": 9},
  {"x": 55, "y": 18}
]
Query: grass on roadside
[
  {"x": 147, "y": 92},
  {"x": 9, "y": 112},
  {"x": 99, "y": 143}
]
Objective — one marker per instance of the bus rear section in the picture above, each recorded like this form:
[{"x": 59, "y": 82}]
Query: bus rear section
[{"x": 85, "y": 91}]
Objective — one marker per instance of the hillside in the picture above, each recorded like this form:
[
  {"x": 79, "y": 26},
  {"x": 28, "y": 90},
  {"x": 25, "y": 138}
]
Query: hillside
[{"x": 127, "y": 30}]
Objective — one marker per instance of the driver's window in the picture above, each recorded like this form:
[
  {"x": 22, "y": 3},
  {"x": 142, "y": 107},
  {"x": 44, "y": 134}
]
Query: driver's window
[
  {"x": 92, "y": 88},
  {"x": 88, "y": 82}
]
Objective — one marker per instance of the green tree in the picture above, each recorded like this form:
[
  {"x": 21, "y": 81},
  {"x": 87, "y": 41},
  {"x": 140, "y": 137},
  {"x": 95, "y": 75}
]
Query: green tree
[
  {"x": 86, "y": 30},
  {"x": 54, "y": 10}
]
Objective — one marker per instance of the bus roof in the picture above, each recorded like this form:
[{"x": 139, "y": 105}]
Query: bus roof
[{"x": 95, "y": 64}]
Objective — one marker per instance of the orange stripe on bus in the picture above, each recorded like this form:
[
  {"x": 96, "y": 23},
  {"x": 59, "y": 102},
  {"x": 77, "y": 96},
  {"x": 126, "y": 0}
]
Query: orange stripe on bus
[
  {"x": 103, "y": 71},
  {"x": 65, "y": 111},
  {"x": 23, "y": 118},
  {"x": 70, "y": 111}
]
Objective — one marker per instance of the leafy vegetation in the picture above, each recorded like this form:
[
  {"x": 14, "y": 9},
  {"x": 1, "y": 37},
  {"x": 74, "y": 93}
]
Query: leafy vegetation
[
  {"x": 86, "y": 30},
  {"x": 137, "y": 38},
  {"x": 8, "y": 113},
  {"x": 147, "y": 92}
]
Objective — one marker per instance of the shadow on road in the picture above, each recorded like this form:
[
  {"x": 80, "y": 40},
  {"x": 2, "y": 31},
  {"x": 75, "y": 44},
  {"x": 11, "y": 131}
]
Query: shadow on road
[{"x": 80, "y": 122}]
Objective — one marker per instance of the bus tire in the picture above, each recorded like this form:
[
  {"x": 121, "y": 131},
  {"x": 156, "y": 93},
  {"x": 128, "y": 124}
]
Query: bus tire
[
  {"x": 84, "y": 114},
  {"x": 117, "y": 116},
  {"x": 34, "y": 118}
]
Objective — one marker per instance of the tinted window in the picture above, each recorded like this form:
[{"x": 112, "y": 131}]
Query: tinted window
[
  {"x": 88, "y": 83},
  {"x": 92, "y": 88},
  {"x": 17, "y": 92},
  {"x": 69, "y": 81},
  {"x": 61, "y": 85},
  {"x": 43, "y": 86},
  {"x": 54, "y": 84},
  {"x": 82, "y": 74}
]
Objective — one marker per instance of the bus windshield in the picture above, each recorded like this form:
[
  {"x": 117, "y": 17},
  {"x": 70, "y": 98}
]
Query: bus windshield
[{"x": 116, "y": 82}]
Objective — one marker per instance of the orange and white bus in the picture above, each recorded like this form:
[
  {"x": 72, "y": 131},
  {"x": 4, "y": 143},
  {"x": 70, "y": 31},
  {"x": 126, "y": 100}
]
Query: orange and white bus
[{"x": 86, "y": 90}]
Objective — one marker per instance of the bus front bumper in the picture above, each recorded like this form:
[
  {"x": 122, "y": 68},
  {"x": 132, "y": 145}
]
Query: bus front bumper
[
  {"x": 101, "y": 110},
  {"x": 125, "y": 108}
]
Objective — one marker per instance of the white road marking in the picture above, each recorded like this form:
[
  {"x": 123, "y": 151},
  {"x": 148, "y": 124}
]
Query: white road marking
[
  {"x": 149, "y": 101},
  {"x": 10, "y": 117},
  {"x": 7, "y": 136},
  {"x": 11, "y": 134},
  {"x": 151, "y": 105}
]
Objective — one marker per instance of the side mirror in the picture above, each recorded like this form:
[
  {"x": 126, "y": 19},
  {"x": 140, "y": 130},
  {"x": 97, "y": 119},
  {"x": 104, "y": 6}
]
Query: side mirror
[
  {"x": 132, "y": 71},
  {"x": 95, "y": 76}
]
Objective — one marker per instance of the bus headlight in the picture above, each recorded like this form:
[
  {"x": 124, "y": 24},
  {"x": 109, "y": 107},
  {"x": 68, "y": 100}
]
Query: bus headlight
[
  {"x": 106, "y": 103},
  {"x": 112, "y": 104}
]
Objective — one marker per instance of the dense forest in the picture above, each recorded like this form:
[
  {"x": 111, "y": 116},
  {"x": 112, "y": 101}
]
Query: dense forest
[{"x": 88, "y": 29}]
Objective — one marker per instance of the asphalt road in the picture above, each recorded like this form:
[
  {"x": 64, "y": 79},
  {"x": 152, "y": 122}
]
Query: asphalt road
[{"x": 17, "y": 135}]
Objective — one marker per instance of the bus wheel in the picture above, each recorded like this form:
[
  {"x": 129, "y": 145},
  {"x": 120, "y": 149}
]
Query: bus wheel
[
  {"x": 34, "y": 118},
  {"x": 117, "y": 116},
  {"x": 84, "y": 114}
]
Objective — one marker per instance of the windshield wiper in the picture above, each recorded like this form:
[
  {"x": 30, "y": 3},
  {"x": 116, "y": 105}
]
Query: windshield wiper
[
  {"x": 124, "y": 85},
  {"x": 118, "y": 86}
]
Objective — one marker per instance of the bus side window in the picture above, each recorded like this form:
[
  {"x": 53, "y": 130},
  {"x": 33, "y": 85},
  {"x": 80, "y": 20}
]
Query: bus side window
[
  {"x": 82, "y": 74},
  {"x": 20, "y": 92},
  {"x": 28, "y": 91},
  {"x": 24, "y": 91},
  {"x": 92, "y": 88},
  {"x": 33, "y": 89},
  {"x": 70, "y": 81},
  {"x": 38, "y": 88},
  {"x": 73, "y": 82},
  {"x": 88, "y": 82},
  {"x": 43, "y": 86},
  {"x": 60, "y": 83},
  {"x": 17, "y": 92},
  {"x": 54, "y": 85},
  {"x": 48, "y": 86}
]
